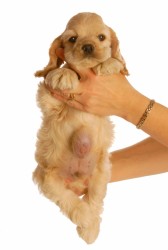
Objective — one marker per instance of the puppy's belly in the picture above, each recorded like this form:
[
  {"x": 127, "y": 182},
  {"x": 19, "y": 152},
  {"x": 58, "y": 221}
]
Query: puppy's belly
[
  {"x": 81, "y": 143},
  {"x": 75, "y": 168},
  {"x": 77, "y": 172}
]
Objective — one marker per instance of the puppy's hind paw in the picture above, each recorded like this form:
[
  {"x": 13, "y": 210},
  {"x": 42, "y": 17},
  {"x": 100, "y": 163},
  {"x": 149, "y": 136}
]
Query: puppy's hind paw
[
  {"x": 89, "y": 234},
  {"x": 82, "y": 215}
]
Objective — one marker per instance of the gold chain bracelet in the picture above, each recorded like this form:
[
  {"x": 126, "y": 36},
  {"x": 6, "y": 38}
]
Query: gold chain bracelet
[{"x": 145, "y": 114}]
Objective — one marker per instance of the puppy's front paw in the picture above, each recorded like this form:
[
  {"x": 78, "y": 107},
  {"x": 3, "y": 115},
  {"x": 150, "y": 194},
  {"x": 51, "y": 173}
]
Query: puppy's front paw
[
  {"x": 110, "y": 66},
  {"x": 89, "y": 234},
  {"x": 62, "y": 78}
]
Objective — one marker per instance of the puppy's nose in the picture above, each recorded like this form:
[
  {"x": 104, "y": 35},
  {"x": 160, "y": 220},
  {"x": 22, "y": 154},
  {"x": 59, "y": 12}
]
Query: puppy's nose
[{"x": 88, "y": 48}]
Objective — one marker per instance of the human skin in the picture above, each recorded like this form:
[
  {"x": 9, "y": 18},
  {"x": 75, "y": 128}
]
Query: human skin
[
  {"x": 114, "y": 95},
  {"x": 145, "y": 158}
]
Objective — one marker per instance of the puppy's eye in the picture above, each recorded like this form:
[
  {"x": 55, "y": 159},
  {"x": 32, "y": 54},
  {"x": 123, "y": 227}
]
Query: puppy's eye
[
  {"x": 72, "y": 39},
  {"x": 101, "y": 37}
]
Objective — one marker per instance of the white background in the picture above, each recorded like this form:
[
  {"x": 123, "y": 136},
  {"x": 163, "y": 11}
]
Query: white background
[{"x": 135, "y": 212}]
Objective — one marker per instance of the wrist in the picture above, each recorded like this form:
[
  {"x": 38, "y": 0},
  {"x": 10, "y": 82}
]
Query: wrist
[{"x": 134, "y": 107}]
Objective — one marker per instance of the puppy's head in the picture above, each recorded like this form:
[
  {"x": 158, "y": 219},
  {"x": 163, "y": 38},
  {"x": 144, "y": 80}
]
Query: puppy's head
[{"x": 87, "y": 41}]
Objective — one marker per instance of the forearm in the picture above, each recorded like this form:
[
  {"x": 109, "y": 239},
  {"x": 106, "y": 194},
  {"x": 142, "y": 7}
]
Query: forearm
[{"x": 142, "y": 159}]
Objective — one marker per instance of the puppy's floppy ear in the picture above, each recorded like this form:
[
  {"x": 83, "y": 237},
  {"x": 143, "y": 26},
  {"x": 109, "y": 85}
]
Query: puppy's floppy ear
[
  {"x": 54, "y": 61},
  {"x": 116, "y": 51}
]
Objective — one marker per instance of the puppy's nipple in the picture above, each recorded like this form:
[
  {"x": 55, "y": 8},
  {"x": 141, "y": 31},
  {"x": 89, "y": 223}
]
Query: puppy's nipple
[{"x": 81, "y": 144}]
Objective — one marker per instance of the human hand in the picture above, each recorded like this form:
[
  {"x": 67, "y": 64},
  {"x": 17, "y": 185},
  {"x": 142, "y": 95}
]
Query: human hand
[{"x": 101, "y": 95}]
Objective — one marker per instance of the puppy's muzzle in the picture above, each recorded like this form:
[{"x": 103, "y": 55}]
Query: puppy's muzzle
[{"x": 88, "y": 49}]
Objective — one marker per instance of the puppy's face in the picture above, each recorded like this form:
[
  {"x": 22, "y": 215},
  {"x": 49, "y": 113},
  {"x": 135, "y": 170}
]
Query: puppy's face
[{"x": 86, "y": 41}]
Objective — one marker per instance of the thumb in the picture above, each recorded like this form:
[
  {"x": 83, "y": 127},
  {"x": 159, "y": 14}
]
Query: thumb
[{"x": 84, "y": 73}]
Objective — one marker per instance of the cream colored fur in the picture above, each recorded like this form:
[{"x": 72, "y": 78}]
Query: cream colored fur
[{"x": 63, "y": 170}]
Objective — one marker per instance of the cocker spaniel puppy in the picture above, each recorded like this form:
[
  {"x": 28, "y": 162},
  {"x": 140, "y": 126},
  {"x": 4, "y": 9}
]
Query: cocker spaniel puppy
[{"x": 72, "y": 146}]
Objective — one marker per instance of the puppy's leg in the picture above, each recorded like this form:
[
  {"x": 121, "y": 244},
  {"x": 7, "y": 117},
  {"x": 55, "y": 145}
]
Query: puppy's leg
[
  {"x": 98, "y": 185},
  {"x": 96, "y": 193},
  {"x": 49, "y": 104},
  {"x": 62, "y": 78},
  {"x": 110, "y": 66},
  {"x": 76, "y": 209}
]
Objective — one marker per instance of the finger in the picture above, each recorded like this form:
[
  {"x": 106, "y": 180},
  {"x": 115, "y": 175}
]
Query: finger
[
  {"x": 83, "y": 73},
  {"x": 76, "y": 104},
  {"x": 64, "y": 97},
  {"x": 64, "y": 93}
]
